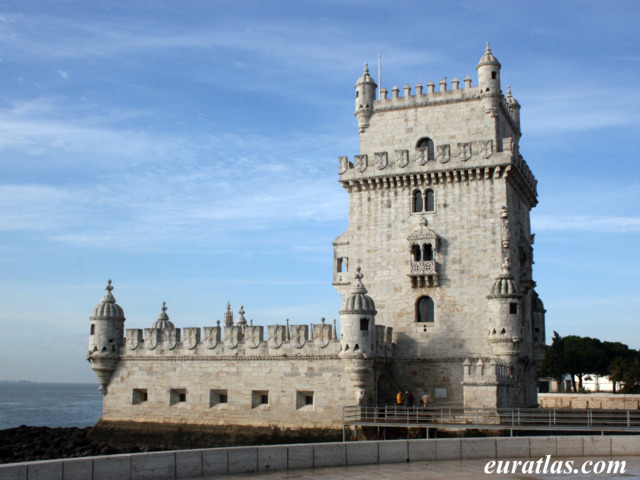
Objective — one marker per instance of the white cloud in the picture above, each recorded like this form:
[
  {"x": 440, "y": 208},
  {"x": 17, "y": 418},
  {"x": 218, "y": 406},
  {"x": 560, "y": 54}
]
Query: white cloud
[
  {"x": 63, "y": 74},
  {"x": 586, "y": 223}
]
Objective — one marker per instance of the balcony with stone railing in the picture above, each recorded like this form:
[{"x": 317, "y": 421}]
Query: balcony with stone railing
[{"x": 424, "y": 274}]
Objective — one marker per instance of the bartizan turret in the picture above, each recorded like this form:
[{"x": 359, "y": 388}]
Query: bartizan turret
[
  {"x": 106, "y": 338},
  {"x": 365, "y": 96},
  {"x": 357, "y": 339},
  {"x": 489, "y": 82},
  {"x": 505, "y": 310}
]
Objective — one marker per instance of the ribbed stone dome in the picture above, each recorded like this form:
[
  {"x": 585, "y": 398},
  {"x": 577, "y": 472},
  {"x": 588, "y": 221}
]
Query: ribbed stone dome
[
  {"x": 505, "y": 285},
  {"x": 488, "y": 58},
  {"x": 365, "y": 78},
  {"x": 358, "y": 301},
  {"x": 163, "y": 319},
  {"x": 108, "y": 309}
]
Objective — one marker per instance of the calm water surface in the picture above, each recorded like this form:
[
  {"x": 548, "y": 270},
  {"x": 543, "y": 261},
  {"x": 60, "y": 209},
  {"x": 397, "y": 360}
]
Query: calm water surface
[{"x": 49, "y": 404}]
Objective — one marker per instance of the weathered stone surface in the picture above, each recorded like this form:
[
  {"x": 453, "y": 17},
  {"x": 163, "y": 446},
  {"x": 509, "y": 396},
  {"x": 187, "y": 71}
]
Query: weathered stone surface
[
  {"x": 362, "y": 453},
  {"x": 512, "y": 447},
  {"x": 188, "y": 463},
  {"x": 477, "y": 448},
  {"x": 448, "y": 449},
  {"x": 153, "y": 466},
  {"x": 569, "y": 447},
  {"x": 215, "y": 461},
  {"x": 300, "y": 456},
  {"x": 393, "y": 451},
  {"x": 596, "y": 446},
  {"x": 420, "y": 450},
  {"x": 110, "y": 467},
  {"x": 542, "y": 446},
  {"x": 272, "y": 458},
  {"x": 243, "y": 459},
  {"x": 77, "y": 468},
  {"x": 329, "y": 455}
]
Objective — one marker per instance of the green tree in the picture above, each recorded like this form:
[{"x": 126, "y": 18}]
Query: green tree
[{"x": 617, "y": 369}]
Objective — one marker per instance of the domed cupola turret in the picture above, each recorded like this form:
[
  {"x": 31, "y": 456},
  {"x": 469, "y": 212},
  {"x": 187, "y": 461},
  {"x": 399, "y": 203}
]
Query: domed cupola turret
[
  {"x": 489, "y": 80},
  {"x": 106, "y": 337},
  {"x": 163, "y": 321},
  {"x": 506, "y": 328},
  {"x": 357, "y": 339},
  {"x": 365, "y": 96},
  {"x": 357, "y": 321},
  {"x": 514, "y": 108}
]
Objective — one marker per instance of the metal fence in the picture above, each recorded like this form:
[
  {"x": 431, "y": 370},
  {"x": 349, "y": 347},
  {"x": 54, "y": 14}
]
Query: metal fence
[{"x": 501, "y": 418}]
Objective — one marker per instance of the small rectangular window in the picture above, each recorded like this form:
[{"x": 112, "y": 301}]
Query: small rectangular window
[
  {"x": 217, "y": 397},
  {"x": 513, "y": 308},
  {"x": 139, "y": 396},
  {"x": 177, "y": 395},
  {"x": 259, "y": 398},
  {"x": 93, "y": 329},
  {"x": 304, "y": 400},
  {"x": 364, "y": 324},
  {"x": 494, "y": 75}
]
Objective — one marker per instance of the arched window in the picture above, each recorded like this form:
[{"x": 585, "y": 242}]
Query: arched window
[
  {"x": 426, "y": 145},
  {"x": 416, "y": 255},
  {"x": 429, "y": 201},
  {"x": 424, "y": 310},
  {"x": 417, "y": 201},
  {"x": 427, "y": 252}
]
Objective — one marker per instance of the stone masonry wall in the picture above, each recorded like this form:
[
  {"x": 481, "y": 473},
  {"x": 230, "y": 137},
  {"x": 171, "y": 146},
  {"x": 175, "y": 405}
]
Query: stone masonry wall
[{"x": 604, "y": 401}]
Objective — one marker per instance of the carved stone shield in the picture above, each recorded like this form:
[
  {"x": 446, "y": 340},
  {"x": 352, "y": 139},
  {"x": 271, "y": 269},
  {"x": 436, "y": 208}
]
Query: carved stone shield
[
  {"x": 361, "y": 162},
  {"x": 382, "y": 160},
  {"x": 402, "y": 158},
  {"x": 464, "y": 151},
  {"x": 443, "y": 154},
  {"x": 298, "y": 336},
  {"x": 211, "y": 337},
  {"x": 191, "y": 338},
  {"x": 344, "y": 165},
  {"x": 151, "y": 335},
  {"x": 486, "y": 148}
]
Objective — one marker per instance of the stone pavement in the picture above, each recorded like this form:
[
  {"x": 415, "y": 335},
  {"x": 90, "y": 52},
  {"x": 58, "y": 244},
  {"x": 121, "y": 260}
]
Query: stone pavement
[{"x": 444, "y": 470}]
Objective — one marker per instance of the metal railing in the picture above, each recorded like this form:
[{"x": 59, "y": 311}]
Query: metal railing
[{"x": 499, "y": 418}]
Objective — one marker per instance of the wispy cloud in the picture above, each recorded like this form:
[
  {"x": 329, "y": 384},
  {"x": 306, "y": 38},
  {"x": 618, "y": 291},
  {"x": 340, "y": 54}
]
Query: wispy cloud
[{"x": 587, "y": 223}]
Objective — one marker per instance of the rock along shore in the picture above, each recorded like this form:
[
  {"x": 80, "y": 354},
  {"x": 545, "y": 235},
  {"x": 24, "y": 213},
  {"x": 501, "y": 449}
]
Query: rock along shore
[{"x": 25, "y": 444}]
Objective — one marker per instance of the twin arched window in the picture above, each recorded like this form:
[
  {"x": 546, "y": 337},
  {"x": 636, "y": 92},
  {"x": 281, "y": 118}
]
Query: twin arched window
[
  {"x": 423, "y": 202},
  {"x": 421, "y": 253},
  {"x": 424, "y": 310}
]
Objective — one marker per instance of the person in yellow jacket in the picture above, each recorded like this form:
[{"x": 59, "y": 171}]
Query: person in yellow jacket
[{"x": 400, "y": 398}]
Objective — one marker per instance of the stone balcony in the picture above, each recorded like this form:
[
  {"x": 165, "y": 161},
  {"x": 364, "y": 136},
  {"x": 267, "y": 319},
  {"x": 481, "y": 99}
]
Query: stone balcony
[{"x": 424, "y": 274}]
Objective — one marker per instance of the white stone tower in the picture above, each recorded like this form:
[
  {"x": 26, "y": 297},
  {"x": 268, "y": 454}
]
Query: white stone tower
[
  {"x": 439, "y": 205},
  {"x": 106, "y": 337},
  {"x": 357, "y": 339}
]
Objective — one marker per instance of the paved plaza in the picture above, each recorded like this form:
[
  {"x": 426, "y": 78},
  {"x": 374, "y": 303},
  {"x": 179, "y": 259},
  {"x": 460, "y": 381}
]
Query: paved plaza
[{"x": 445, "y": 470}]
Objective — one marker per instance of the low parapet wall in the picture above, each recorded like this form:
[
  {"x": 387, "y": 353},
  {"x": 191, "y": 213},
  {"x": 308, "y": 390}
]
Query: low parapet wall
[
  {"x": 606, "y": 401},
  {"x": 185, "y": 464}
]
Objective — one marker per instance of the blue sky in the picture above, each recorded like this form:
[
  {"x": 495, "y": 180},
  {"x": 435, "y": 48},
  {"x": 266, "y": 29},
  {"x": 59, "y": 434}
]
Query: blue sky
[{"x": 188, "y": 151}]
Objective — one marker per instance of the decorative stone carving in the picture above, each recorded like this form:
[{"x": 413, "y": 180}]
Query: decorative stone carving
[
  {"x": 486, "y": 148},
  {"x": 422, "y": 157},
  {"x": 253, "y": 336},
  {"x": 361, "y": 162},
  {"x": 504, "y": 215},
  {"x": 171, "y": 337},
  {"x": 382, "y": 160},
  {"x": 322, "y": 333},
  {"x": 299, "y": 335},
  {"x": 151, "y": 335},
  {"x": 464, "y": 151},
  {"x": 191, "y": 337},
  {"x": 443, "y": 153},
  {"x": 344, "y": 165},
  {"x": 212, "y": 336},
  {"x": 134, "y": 338},
  {"x": 402, "y": 158}
]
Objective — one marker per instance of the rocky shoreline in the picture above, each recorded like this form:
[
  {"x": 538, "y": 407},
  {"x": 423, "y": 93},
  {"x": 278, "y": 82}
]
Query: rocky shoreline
[{"x": 26, "y": 444}]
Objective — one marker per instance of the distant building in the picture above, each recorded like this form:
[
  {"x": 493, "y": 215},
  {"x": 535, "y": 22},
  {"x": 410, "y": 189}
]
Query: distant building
[{"x": 440, "y": 234}]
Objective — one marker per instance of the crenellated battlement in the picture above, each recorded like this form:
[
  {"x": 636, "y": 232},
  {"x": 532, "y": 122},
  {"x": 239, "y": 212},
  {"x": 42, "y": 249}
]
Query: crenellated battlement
[
  {"x": 430, "y": 97},
  {"x": 252, "y": 341}
]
